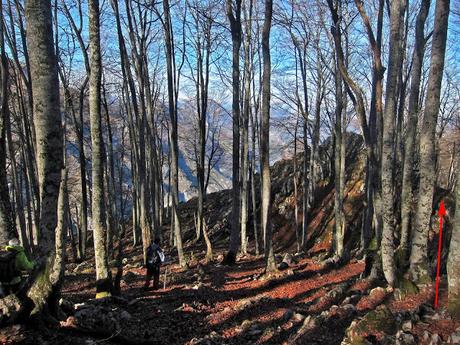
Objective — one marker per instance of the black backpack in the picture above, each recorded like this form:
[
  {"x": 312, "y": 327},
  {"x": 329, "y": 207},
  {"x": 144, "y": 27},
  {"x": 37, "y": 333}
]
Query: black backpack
[
  {"x": 153, "y": 257},
  {"x": 8, "y": 268}
]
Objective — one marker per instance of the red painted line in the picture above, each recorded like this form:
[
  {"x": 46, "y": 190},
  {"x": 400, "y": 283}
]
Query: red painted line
[{"x": 438, "y": 270}]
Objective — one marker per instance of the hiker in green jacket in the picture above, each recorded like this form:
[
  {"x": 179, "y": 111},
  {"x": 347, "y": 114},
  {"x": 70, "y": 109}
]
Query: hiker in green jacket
[{"x": 13, "y": 260}]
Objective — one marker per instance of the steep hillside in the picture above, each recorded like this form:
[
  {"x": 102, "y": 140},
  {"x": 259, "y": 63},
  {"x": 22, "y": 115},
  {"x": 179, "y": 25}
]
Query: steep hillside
[{"x": 321, "y": 221}]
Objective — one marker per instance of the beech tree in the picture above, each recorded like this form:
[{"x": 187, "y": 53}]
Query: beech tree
[
  {"x": 233, "y": 8},
  {"x": 418, "y": 259},
  {"x": 7, "y": 226},
  {"x": 78, "y": 121},
  {"x": 453, "y": 269},
  {"x": 103, "y": 275},
  {"x": 270, "y": 264},
  {"x": 412, "y": 122},
  {"x": 388, "y": 215},
  {"x": 173, "y": 138},
  {"x": 48, "y": 129}
]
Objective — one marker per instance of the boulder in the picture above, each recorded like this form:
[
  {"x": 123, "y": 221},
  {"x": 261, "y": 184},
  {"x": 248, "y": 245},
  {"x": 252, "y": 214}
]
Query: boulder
[
  {"x": 405, "y": 289},
  {"x": 403, "y": 338},
  {"x": 435, "y": 340},
  {"x": 455, "y": 337},
  {"x": 380, "y": 320},
  {"x": 426, "y": 336},
  {"x": 376, "y": 291}
]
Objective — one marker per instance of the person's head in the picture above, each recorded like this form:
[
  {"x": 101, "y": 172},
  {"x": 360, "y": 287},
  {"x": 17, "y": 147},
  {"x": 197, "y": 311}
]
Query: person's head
[
  {"x": 13, "y": 242},
  {"x": 157, "y": 241}
]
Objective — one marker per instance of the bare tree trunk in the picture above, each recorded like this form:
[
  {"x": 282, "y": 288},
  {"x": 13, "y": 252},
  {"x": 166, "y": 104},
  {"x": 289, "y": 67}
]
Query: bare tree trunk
[
  {"x": 375, "y": 114},
  {"x": 122, "y": 230},
  {"x": 112, "y": 226},
  {"x": 48, "y": 128},
  {"x": 270, "y": 264},
  {"x": 137, "y": 41},
  {"x": 412, "y": 122},
  {"x": 82, "y": 240},
  {"x": 314, "y": 159},
  {"x": 453, "y": 268},
  {"x": 341, "y": 75},
  {"x": 388, "y": 149},
  {"x": 234, "y": 16},
  {"x": 103, "y": 276},
  {"x": 57, "y": 271},
  {"x": 419, "y": 254},
  {"x": 79, "y": 129},
  {"x": 174, "y": 147},
  {"x": 338, "y": 197},
  {"x": 7, "y": 224},
  {"x": 296, "y": 176},
  {"x": 245, "y": 131},
  {"x": 252, "y": 169}
]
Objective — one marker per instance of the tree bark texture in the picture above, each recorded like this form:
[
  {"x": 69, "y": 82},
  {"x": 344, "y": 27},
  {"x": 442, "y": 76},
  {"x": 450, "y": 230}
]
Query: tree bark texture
[
  {"x": 418, "y": 259},
  {"x": 103, "y": 277},
  {"x": 48, "y": 129},
  {"x": 388, "y": 148},
  {"x": 266, "y": 223}
]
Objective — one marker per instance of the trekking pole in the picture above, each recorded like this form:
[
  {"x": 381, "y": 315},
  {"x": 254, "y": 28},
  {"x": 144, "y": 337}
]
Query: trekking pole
[{"x": 164, "y": 281}]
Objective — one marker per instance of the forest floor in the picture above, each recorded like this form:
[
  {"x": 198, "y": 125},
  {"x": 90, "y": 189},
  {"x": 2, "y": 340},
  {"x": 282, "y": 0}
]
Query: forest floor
[{"x": 215, "y": 304}]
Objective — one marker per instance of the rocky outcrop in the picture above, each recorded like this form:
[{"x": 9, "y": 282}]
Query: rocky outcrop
[{"x": 218, "y": 205}]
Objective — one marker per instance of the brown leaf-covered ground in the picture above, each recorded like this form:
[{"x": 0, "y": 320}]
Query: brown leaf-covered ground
[{"x": 215, "y": 304}]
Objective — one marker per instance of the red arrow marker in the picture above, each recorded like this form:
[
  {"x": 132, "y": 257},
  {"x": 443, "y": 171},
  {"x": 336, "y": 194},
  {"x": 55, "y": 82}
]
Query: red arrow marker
[{"x": 441, "y": 214}]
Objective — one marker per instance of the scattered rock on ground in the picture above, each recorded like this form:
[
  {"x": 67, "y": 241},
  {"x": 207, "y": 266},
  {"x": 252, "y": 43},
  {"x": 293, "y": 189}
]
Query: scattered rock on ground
[
  {"x": 403, "y": 338},
  {"x": 287, "y": 261},
  {"x": 455, "y": 337},
  {"x": 435, "y": 340}
]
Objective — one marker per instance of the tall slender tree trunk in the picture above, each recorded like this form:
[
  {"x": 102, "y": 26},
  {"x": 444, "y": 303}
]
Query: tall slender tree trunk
[
  {"x": 103, "y": 276},
  {"x": 112, "y": 225},
  {"x": 174, "y": 147},
  {"x": 375, "y": 114},
  {"x": 315, "y": 160},
  {"x": 253, "y": 174},
  {"x": 453, "y": 268},
  {"x": 245, "y": 131},
  {"x": 411, "y": 132},
  {"x": 419, "y": 254},
  {"x": 48, "y": 129},
  {"x": 305, "y": 193},
  {"x": 82, "y": 240},
  {"x": 338, "y": 197},
  {"x": 270, "y": 264},
  {"x": 7, "y": 224},
  {"x": 57, "y": 271},
  {"x": 234, "y": 16},
  {"x": 388, "y": 149}
]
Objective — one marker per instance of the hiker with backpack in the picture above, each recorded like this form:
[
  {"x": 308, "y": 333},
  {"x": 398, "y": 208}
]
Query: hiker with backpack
[
  {"x": 155, "y": 257},
  {"x": 13, "y": 260}
]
